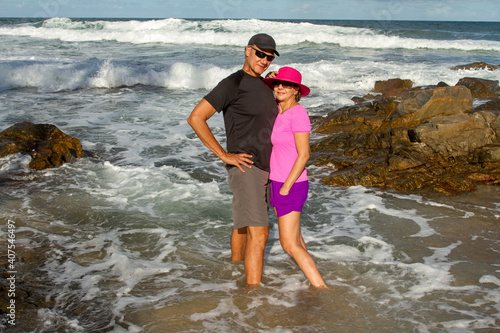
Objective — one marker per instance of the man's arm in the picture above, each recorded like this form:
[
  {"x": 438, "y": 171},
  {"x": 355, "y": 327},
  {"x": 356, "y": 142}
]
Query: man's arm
[{"x": 198, "y": 121}]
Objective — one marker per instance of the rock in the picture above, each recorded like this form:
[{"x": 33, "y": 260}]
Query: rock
[
  {"x": 358, "y": 100},
  {"x": 47, "y": 145},
  {"x": 422, "y": 105},
  {"x": 495, "y": 125},
  {"x": 393, "y": 87},
  {"x": 490, "y": 118},
  {"x": 488, "y": 154},
  {"x": 485, "y": 178},
  {"x": 477, "y": 65},
  {"x": 361, "y": 117},
  {"x": 481, "y": 88},
  {"x": 431, "y": 139},
  {"x": 455, "y": 135}
]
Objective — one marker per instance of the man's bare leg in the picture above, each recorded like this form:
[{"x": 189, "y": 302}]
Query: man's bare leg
[
  {"x": 238, "y": 244},
  {"x": 254, "y": 254}
]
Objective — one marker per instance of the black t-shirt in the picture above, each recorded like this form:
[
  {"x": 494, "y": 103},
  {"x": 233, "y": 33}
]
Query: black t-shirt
[{"x": 249, "y": 112}]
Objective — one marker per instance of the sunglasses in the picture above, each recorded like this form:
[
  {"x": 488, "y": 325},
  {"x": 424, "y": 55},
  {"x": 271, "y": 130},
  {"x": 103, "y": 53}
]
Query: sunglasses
[
  {"x": 262, "y": 55},
  {"x": 284, "y": 84}
]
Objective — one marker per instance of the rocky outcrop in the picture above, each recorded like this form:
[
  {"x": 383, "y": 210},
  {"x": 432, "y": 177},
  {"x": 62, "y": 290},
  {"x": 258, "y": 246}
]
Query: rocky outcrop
[
  {"x": 47, "y": 145},
  {"x": 477, "y": 65},
  {"x": 422, "y": 105},
  {"x": 393, "y": 87},
  {"x": 480, "y": 88},
  {"x": 411, "y": 138}
]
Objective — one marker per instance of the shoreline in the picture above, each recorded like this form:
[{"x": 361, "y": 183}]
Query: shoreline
[{"x": 33, "y": 286}]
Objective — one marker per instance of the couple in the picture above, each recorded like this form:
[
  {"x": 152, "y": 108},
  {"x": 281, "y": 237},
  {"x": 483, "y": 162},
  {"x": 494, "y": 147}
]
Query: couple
[{"x": 267, "y": 138}]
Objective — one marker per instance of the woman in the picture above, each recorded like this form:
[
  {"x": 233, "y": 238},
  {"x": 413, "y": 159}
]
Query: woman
[{"x": 289, "y": 183}]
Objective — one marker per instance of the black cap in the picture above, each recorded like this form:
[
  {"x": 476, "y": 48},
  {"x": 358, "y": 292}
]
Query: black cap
[{"x": 264, "y": 42}]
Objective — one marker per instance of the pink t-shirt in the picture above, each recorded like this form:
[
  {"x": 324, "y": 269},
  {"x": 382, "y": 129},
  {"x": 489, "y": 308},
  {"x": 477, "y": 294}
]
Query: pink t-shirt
[{"x": 284, "y": 153}]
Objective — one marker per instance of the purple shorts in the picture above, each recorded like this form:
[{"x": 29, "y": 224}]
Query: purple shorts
[{"x": 293, "y": 202}]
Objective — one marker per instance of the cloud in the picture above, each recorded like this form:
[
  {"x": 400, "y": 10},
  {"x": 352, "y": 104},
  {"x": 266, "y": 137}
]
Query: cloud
[
  {"x": 302, "y": 9},
  {"x": 440, "y": 11}
]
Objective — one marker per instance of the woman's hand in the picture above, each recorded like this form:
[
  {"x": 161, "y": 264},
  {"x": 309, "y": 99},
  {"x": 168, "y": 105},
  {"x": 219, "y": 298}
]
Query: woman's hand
[{"x": 284, "y": 190}]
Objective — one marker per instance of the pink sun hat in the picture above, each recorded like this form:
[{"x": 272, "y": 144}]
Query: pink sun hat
[{"x": 289, "y": 74}]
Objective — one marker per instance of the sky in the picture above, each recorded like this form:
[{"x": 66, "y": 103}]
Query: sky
[{"x": 433, "y": 10}]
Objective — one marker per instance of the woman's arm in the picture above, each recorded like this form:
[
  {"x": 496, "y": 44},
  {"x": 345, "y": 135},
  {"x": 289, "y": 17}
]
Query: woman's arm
[{"x": 303, "y": 149}]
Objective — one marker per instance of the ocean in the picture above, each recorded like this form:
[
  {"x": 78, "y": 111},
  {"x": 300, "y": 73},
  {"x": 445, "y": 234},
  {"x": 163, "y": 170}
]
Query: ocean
[{"x": 135, "y": 238}]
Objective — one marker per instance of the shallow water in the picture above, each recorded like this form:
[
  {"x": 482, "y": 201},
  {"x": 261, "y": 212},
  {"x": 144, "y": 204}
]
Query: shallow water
[
  {"x": 136, "y": 238},
  {"x": 129, "y": 251}
]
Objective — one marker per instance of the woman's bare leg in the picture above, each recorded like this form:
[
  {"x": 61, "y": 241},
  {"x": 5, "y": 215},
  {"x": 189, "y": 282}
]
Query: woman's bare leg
[{"x": 293, "y": 243}]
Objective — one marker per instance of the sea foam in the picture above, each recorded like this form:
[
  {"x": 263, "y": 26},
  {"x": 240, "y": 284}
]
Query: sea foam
[
  {"x": 230, "y": 32},
  {"x": 325, "y": 75}
]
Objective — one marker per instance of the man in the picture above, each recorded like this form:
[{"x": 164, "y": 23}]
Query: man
[{"x": 249, "y": 111}]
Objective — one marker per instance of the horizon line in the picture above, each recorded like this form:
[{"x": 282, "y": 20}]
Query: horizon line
[{"x": 239, "y": 18}]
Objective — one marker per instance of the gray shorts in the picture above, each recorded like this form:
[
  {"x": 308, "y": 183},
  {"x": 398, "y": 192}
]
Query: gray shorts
[{"x": 250, "y": 197}]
